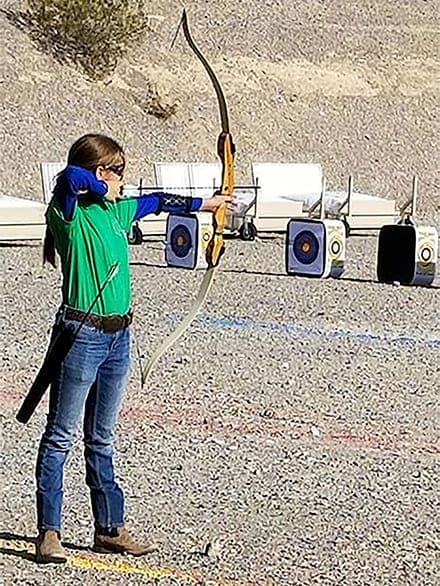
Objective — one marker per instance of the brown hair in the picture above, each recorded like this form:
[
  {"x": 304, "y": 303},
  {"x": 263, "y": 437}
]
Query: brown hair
[
  {"x": 92, "y": 150},
  {"x": 89, "y": 151}
]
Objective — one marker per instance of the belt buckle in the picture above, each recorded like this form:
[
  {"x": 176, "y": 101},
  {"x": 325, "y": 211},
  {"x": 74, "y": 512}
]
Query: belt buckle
[{"x": 112, "y": 323}]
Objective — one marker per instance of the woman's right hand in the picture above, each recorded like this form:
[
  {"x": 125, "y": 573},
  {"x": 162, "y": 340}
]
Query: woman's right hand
[{"x": 80, "y": 180}]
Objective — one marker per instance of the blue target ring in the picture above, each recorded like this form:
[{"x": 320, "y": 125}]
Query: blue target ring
[
  {"x": 181, "y": 241},
  {"x": 306, "y": 247}
]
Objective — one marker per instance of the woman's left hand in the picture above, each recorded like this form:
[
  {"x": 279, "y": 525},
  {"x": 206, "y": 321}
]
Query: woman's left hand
[{"x": 211, "y": 204}]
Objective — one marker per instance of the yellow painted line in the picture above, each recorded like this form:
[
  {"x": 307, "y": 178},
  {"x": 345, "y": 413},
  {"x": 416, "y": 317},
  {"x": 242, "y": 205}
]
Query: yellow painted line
[
  {"x": 155, "y": 573},
  {"x": 152, "y": 572}
]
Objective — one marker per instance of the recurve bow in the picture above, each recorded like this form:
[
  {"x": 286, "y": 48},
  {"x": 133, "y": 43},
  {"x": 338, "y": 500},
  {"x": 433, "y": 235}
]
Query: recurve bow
[{"x": 215, "y": 248}]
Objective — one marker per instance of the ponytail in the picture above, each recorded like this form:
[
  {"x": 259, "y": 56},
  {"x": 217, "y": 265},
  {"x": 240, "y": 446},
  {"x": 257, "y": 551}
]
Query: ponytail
[
  {"x": 49, "y": 242},
  {"x": 49, "y": 248}
]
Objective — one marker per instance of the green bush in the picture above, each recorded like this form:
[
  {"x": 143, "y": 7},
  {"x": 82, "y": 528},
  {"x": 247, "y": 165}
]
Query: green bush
[{"x": 95, "y": 34}]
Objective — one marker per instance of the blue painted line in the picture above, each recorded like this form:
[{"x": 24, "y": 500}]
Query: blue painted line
[{"x": 303, "y": 331}]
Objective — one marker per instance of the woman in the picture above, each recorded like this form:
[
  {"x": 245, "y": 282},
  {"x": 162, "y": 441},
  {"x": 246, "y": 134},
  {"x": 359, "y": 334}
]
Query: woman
[{"x": 88, "y": 225}]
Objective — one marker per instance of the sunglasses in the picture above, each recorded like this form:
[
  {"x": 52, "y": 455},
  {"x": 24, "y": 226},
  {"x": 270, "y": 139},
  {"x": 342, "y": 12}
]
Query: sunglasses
[{"x": 116, "y": 169}]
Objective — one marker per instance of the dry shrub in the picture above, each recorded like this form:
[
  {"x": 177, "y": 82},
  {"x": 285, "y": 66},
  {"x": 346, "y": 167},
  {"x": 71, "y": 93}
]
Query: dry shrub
[
  {"x": 95, "y": 34},
  {"x": 153, "y": 103}
]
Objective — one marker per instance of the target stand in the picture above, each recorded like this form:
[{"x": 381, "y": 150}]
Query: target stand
[
  {"x": 407, "y": 254},
  {"x": 315, "y": 248},
  {"x": 187, "y": 237}
]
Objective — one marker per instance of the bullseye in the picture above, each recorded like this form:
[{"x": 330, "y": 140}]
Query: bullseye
[
  {"x": 335, "y": 248},
  {"x": 306, "y": 247},
  {"x": 181, "y": 241}
]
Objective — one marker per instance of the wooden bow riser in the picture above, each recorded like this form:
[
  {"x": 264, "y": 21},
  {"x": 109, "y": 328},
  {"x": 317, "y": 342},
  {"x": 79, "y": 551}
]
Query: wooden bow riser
[{"x": 216, "y": 246}]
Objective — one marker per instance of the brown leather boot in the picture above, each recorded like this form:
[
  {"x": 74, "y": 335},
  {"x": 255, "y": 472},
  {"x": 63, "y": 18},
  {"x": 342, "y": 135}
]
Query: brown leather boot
[
  {"x": 48, "y": 548},
  {"x": 120, "y": 541}
]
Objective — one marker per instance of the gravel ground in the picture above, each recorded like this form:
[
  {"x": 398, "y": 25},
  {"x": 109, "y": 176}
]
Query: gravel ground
[{"x": 290, "y": 437}]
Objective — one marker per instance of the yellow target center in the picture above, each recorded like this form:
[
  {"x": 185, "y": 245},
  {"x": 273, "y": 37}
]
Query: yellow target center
[{"x": 306, "y": 246}]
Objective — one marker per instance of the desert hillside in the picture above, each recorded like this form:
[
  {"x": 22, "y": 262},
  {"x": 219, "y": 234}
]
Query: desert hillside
[{"x": 352, "y": 84}]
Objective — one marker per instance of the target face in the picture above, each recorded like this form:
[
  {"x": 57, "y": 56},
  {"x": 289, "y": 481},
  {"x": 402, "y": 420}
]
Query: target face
[
  {"x": 426, "y": 253},
  {"x": 407, "y": 254},
  {"x": 335, "y": 248},
  {"x": 427, "y": 250},
  {"x": 306, "y": 247},
  {"x": 181, "y": 241},
  {"x": 206, "y": 236}
]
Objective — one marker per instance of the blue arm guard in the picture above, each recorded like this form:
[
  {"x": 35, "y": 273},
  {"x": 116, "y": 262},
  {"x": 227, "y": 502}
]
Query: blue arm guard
[{"x": 157, "y": 202}]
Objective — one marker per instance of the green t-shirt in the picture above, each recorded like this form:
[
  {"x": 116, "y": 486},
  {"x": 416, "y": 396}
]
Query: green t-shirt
[{"x": 89, "y": 245}]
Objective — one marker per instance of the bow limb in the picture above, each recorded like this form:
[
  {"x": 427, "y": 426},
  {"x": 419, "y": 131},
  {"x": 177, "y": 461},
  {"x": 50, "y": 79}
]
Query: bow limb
[
  {"x": 225, "y": 150},
  {"x": 218, "y": 89},
  {"x": 198, "y": 302},
  {"x": 215, "y": 248}
]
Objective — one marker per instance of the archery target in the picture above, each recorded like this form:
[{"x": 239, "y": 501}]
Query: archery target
[
  {"x": 315, "y": 248},
  {"x": 407, "y": 254},
  {"x": 187, "y": 238},
  {"x": 396, "y": 252},
  {"x": 305, "y": 248}
]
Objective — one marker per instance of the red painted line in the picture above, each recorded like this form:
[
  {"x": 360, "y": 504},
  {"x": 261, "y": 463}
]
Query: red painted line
[
  {"x": 282, "y": 425},
  {"x": 321, "y": 433}
]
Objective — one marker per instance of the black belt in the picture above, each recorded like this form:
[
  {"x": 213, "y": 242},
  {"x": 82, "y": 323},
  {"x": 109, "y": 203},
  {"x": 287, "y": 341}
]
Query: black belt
[{"x": 106, "y": 323}]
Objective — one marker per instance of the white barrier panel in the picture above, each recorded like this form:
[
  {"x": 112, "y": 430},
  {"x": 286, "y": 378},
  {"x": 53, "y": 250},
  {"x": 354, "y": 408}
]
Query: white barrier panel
[
  {"x": 49, "y": 172},
  {"x": 173, "y": 178},
  {"x": 187, "y": 237},
  {"x": 276, "y": 182},
  {"x": 205, "y": 177},
  {"x": 407, "y": 254},
  {"x": 315, "y": 248},
  {"x": 21, "y": 219}
]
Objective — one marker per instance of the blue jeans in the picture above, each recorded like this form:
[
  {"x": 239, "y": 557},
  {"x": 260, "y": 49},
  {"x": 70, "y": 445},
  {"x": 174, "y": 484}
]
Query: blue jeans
[{"x": 92, "y": 377}]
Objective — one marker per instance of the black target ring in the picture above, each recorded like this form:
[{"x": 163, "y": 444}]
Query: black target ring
[
  {"x": 181, "y": 241},
  {"x": 426, "y": 254},
  {"x": 335, "y": 248},
  {"x": 306, "y": 247}
]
